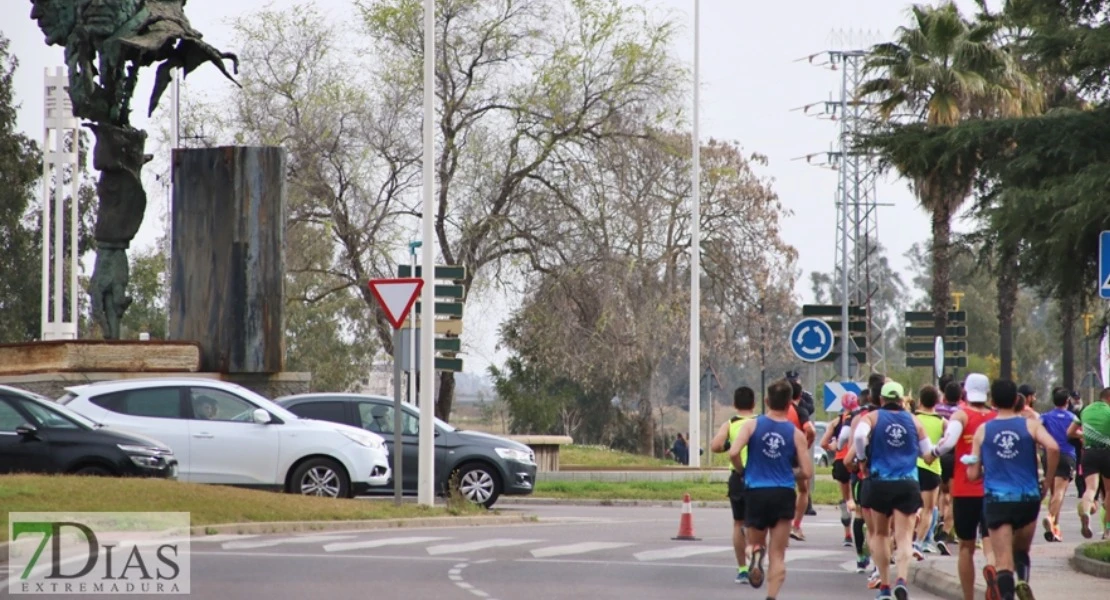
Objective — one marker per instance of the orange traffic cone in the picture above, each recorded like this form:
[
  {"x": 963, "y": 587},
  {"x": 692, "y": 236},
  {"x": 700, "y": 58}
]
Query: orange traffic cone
[{"x": 686, "y": 522}]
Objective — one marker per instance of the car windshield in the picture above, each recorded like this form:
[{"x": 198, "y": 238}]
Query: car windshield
[{"x": 61, "y": 412}]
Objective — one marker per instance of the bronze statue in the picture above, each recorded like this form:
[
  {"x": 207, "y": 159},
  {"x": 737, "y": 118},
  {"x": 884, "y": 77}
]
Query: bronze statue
[{"x": 106, "y": 43}]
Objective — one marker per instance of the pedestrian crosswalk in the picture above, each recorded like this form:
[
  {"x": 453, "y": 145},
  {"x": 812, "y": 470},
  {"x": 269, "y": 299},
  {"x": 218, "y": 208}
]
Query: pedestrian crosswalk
[{"x": 444, "y": 546}]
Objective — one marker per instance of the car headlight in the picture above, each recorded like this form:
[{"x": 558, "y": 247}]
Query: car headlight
[
  {"x": 514, "y": 454},
  {"x": 147, "y": 457},
  {"x": 145, "y": 450},
  {"x": 364, "y": 439}
]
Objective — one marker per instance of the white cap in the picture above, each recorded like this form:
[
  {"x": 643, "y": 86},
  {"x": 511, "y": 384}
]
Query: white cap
[{"x": 977, "y": 386}]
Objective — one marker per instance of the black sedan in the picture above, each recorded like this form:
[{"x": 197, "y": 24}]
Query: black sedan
[
  {"x": 40, "y": 436},
  {"x": 485, "y": 465}
]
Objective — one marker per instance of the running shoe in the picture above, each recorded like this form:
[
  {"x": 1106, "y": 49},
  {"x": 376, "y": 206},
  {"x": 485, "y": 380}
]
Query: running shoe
[
  {"x": 991, "y": 577},
  {"x": 1022, "y": 591},
  {"x": 874, "y": 582},
  {"x": 1046, "y": 524},
  {"x": 884, "y": 594},
  {"x": 901, "y": 591},
  {"x": 796, "y": 534},
  {"x": 943, "y": 547},
  {"x": 1084, "y": 521},
  {"x": 755, "y": 568},
  {"x": 918, "y": 554},
  {"x": 742, "y": 577},
  {"x": 847, "y": 541},
  {"x": 862, "y": 564}
]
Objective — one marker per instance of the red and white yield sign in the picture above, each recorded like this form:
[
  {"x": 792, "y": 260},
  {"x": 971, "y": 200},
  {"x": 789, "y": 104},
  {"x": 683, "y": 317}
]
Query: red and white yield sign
[{"x": 396, "y": 297}]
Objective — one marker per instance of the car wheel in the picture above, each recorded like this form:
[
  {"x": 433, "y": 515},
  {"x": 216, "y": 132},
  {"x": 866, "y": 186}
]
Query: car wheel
[
  {"x": 479, "y": 483},
  {"x": 320, "y": 477},
  {"x": 94, "y": 471}
]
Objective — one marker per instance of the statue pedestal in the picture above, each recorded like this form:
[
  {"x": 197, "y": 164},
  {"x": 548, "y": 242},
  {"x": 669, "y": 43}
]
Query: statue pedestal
[{"x": 47, "y": 368}]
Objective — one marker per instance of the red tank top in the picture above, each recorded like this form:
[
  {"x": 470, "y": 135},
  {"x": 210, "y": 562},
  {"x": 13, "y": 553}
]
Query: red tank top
[
  {"x": 792, "y": 415},
  {"x": 845, "y": 421},
  {"x": 961, "y": 487}
]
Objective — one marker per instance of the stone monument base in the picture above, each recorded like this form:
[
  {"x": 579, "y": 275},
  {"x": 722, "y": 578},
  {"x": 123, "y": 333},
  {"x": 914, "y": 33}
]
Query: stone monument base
[{"x": 47, "y": 368}]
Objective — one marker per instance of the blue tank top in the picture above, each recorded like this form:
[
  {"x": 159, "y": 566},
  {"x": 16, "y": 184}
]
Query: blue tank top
[
  {"x": 770, "y": 454},
  {"x": 893, "y": 449},
  {"x": 1056, "y": 422},
  {"x": 1009, "y": 461}
]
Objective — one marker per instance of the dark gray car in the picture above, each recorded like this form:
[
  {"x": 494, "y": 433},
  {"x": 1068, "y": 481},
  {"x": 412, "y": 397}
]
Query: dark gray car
[{"x": 486, "y": 465}]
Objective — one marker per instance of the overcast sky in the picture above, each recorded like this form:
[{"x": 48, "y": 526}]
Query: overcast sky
[{"x": 751, "y": 80}]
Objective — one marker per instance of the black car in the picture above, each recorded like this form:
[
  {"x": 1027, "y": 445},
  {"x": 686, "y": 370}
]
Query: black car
[
  {"x": 486, "y": 465},
  {"x": 39, "y": 436}
]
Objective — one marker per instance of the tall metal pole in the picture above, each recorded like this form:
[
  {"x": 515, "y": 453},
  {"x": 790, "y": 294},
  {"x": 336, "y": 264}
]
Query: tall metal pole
[
  {"x": 695, "y": 260},
  {"x": 426, "y": 485},
  {"x": 398, "y": 446},
  {"x": 844, "y": 340}
]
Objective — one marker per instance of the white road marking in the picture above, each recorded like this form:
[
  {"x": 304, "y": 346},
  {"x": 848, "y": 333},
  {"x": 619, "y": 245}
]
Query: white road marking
[
  {"x": 581, "y": 548},
  {"x": 479, "y": 545},
  {"x": 680, "y": 552},
  {"x": 304, "y": 539},
  {"x": 397, "y": 541},
  {"x": 808, "y": 554}
]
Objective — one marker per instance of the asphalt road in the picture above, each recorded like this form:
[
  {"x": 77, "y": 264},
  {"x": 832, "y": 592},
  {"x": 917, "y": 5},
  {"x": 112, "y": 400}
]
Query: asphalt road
[{"x": 572, "y": 552}]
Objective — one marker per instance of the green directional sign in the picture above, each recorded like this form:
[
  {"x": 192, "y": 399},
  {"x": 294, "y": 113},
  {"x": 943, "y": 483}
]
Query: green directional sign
[
  {"x": 917, "y": 316},
  {"x": 449, "y": 364},
  {"x": 444, "y": 309},
  {"x": 448, "y": 345},
  {"x": 452, "y": 272},
  {"x": 853, "y": 326},
  {"x": 959, "y": 331},
  {"x": 835, "y": 356},
  {"x": 831, "y": 310},
  {"x": 454, "y": 292},
  {"x": 927, "y": 361}
]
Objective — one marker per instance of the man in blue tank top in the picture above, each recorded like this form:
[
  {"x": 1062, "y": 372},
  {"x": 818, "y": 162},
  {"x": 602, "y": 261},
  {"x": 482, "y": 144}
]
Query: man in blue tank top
[
  {"x": 1004, "y": 455},
  {"x": 1056, "y": 422},
  {"x": 773, "y": 443},
  {"x": 892, "y": 439}
]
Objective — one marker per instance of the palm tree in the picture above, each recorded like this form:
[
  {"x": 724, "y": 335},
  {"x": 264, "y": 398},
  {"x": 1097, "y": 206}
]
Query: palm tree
[{"x": 940, "y": 71}]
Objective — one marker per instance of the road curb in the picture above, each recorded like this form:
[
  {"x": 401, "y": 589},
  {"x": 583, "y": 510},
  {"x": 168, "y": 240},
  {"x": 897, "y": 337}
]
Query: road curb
[
  {"x": 1096, "y": 568},
  {"x": 533, "y": 501},
  {"x": 938, "y": 582},
  {"x": 257, "y": 528}
]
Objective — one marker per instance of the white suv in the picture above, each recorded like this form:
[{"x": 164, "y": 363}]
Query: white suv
[{"x": 224, "y": 433}]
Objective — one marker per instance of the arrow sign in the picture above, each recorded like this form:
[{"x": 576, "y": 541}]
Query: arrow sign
[
  {"x": 811, "y": 339},
  {"x": 834, "y": 391},
  {"x": 396, "y": 297},
  {"x": 1104, "y": 265}
]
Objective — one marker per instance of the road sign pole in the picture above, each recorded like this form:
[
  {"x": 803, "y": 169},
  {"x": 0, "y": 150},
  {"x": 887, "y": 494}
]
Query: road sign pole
[
  {"x": 844, "y": 264},
  {"x": 426, "y": 484},
  {"x": 695, "y": 262},
  {"x": 412, "y": 335},
  {"x": 398, "y": 449}
]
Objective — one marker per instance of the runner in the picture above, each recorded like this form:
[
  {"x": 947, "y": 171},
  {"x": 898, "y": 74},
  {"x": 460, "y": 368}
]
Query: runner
[
  {"x": 892, "y": 439},
  {"x": 1058, "y": 422},
  {"x": 953, "y": 395},
  {"x": 1027, "y": 402},
  {"x": 857, "y": 465},
  {"x": 801, "y": 418},
  {"x": 776, "y": 445},
  {"x": 1095, "y": 423},
  {"x": 1004, "y": 458},
  {"x": 860, "y": 515},
  {"x": 928, "y": 473},
  {"x": 967, "y": 496},
  {"x": 743, "y": 400},
  {"x": 849, "y": 403}
]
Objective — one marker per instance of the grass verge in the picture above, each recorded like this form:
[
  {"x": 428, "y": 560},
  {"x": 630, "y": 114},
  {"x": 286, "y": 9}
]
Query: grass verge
[
  {"x": 208, "y": 504},
  {"x": 826, "y": 492},
  {"x": 601, "y": 457},
  {"x": 1099, "y": 551}
]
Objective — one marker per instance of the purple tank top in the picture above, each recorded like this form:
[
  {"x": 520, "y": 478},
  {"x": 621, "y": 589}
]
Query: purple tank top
[{"x": 946, "y": 410}]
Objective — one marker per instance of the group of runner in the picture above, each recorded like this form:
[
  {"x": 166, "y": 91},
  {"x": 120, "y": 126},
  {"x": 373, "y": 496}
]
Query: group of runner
[{"x": 964, "y": 465}]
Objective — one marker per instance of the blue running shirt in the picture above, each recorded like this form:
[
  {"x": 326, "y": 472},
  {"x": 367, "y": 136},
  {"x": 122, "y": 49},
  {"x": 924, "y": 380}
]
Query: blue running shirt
[
  {"x": 1056, "y": 422},
  {"x": 770, "y": 453},
  {"x": 893, "y": 450},
  {"x": 1009, "y": 461}
]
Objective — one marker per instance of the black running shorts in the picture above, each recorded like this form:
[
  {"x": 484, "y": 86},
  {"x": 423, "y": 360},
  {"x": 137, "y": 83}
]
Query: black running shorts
[
  {"x": 767, "y": 506},
  {"x": 927, "y": 479},
  {"x": 1096, "y": 461},
  {"x": 947, "y": 467},
  {"x": 968, "y": 518},
  {"x": 1015, "y": 514},
  {"x": 736, "y": 495},
  {"x": 840, "y": 472},
  {"x": 865, "y": 493},
  {"x": 1065, "y": 468},
  {"x": 886, "y": 497}
]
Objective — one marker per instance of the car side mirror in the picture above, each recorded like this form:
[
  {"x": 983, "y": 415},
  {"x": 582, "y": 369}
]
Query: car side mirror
[
  {"x": 261, "y": 416},
  {"x": 26, "y": 430}
]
